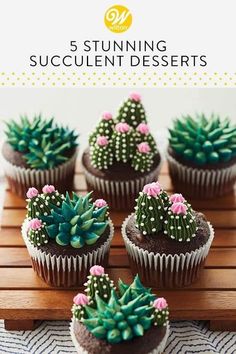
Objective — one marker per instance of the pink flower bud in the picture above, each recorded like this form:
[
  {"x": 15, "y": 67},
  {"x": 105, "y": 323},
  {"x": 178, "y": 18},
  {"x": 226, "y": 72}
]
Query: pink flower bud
[
  {"x": 32, "y": 192},
  {"x": 99, "y": 203},
  {"x": 97, "y": 270},
  {"x": 143, "y": 128},
  {"x": 106, "y": 116},
  {"x": 152, "y": 189},
  {"x": 144, "y": 148},
  {"x": 48, "y": 189},
  {"x": 35, "y": 224},
  {"x": 122, "y": 127},
  {"x": 177, "y": 198},
  {"x": 160, "y": 303},
  {"x": 178, "y": 208},
  {"x": 80, "y": 299},
  {"x": 102, "y": 141},
  {"x": 135, "y": 96}
]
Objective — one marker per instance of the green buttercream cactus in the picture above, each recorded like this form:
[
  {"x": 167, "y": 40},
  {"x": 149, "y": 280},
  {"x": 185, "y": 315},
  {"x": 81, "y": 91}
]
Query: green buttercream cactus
[
  {"x": 123, "y": 140},
  {"x": 52, "y": 196},
  {"x": 37, "y": 233},
  {"x": 160, "y": 312},
  {"x": 101, "y": 153},
  {"x": 150, "y": 209},
  {"x": 180, "y": 222},
  {"x": 132, "y": 111},
  {"x": 104, "y": 128},
  {"x": 143, "y": 135},
  {"x": 98, "y": 283},
  {"x": 76, "y": 222},
  {"x": 45, "y": 145},
  {"x": 123, "y": 315},
  {"x": 203, "y": 141},
  {"x": 36, "y": 204},
  {"x": 143, "y": 158}
]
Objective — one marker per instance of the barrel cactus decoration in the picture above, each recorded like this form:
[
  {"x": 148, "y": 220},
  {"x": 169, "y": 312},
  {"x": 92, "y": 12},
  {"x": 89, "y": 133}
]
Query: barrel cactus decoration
[
  {"x": 104, "y": 128},
  {"x": 132, "y": 111},
  {"x": 203, "y": 141},
  {"x": 36, "y": 204},
  {"x": 37, "y": 233},
  {"x": 143, "y": 158},
  {"x": 101, "y": 153},
  {"x": 161, "y": 312},
  {"x": 123, "y": 140}
]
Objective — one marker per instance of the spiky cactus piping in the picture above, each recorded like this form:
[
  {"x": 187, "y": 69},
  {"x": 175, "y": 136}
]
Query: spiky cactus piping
[
  {"x": 202, "y": 140},
  {"x": 44, "y": 143},
  {"x": 143, "y": 158},
  {"x": 122, "y": 316},
  {"x": 124, "y": 143},
  {"x": 37, "y": 233},
  {"x": 161, "y": 312},
  {"x": 101, "y": 154},
  {"x": 132, "y": 111},
  {"x": 76, "y": 222},
  {"x": 150, "y": 210},
  {"x": 104, "y": 128},
  {"x": 100, "y": 285}
]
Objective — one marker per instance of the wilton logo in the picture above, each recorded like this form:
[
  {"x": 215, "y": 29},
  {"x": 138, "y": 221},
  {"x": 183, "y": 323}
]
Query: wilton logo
[{"x": 118, "y": 18}]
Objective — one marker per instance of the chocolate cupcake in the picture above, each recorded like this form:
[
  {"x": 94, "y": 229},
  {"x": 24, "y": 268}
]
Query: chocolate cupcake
[
  {"x": 202, "y": 156},
  {"x": 167, "y": 242},
  {"x": 122, "y": 156},
  {"x": 129, "y": 320},
  {"x": 66, "y": 235},
  {"x": 37, "y": 152}
]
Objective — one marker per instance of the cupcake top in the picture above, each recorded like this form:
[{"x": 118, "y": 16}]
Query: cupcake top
[
  {"x": 156, "y": 211},
  {"x": 74, "y": 221},
  {"x": 117, "y": 316},
  {"x": 42, "y": 143},
  {"x": 126, "y": 138},
  {"x": 203, "y": 140}
]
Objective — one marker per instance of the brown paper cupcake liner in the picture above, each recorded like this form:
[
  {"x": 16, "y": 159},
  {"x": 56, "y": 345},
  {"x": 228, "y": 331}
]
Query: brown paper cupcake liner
[
  {"x": 201, "y": 183},
  {"x": 66, "y": 271},
  {"x": 81, "y": 350},
  {"x": 20, "y": 179},
  {"x": 166, "y": 271},
  {"x": 120, "y": 195}
]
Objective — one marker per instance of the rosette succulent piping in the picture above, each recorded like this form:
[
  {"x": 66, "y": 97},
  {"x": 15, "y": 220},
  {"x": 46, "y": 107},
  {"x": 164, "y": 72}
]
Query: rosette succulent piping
[
  {"x": 76, "y": 222},
  {"x": 203, "y": 140}
]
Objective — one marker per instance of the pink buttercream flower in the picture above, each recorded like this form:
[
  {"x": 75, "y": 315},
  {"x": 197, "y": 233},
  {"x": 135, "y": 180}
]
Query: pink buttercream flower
[
  {"x": 81, "y": 299},
  {"x": 48, "y": 189},
  {"x": 102, "y": 141},
  {"x": 135, "y": 96},
  {"x": 144, "y": 148},
  {"x": 177, "y": 198},
  {"x": 160, "y": 303},
  {"x": 32, "y": 192},
  {"x": 143, "y": 128},
  {"x": 152, "y": 189},
  {"x": 35, "y": 224},
  {"x": 99, "y": 203},
  {"x": 122, "y": 127},
  {"x": 97, "y": 270},
  {"x": 179, "y": 208},
  {"x": 106, "y": 116}
]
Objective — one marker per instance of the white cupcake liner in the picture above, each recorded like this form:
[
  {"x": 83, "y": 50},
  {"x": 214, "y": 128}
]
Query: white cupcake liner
[
  {"x": 81, "y": 350},
  {"x": 202, "y": 183},
  {"x": 66, "y": 271},
  {"x": 167, "y": 270},
  {"x": 120, "y": 195},
  {"x": 21, "y": 178}
]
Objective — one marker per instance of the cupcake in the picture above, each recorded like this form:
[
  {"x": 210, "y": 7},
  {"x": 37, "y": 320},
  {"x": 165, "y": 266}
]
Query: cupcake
[
  {"x": 37, "y": 152},
  {"x": 127, "y": 320},
  {"x": 122, "y": 156},
  {"x": 166, "y": 240},
  {"x": 65, "y": 235},
  {"x": 202, "y": 156}
]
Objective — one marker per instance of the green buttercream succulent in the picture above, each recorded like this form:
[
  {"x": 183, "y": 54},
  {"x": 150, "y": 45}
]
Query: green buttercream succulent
[
  {"x": 44, "y": 143},
  {"x": 100, "y": 285},
  {"x": 132, "y": 111},
  {"x": 202, "y": 140},
  {"x": 101, "y": 153},
  {"x": 76, "y": 222},
  {"x": 104, "y": 128}
]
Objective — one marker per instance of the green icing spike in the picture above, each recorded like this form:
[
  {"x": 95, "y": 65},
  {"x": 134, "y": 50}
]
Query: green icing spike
[{"x": 202, "y": 139}]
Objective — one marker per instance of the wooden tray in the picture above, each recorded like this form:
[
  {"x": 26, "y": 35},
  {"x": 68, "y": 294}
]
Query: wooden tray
[{"x": 24, "y": 298}]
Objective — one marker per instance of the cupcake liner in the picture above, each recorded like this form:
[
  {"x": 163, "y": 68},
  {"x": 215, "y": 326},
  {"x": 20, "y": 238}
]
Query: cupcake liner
[
  {"x": 120, "y": 195},
  {"x": 20, "y": 179},
  {"x": 199, "y": 182},
  {"x": 81, "y": 350},
  {"x": 66, "y": 271},
  {"x": 166, "y": 271}
]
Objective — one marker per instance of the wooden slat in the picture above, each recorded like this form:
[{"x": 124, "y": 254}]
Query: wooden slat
[
  {"x": 27, "y": 279},
  {"x": 56, "y": 304}
]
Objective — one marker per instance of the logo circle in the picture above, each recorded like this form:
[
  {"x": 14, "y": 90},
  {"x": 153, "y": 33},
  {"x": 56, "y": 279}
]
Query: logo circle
[{"x": 118, "y": 18}]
